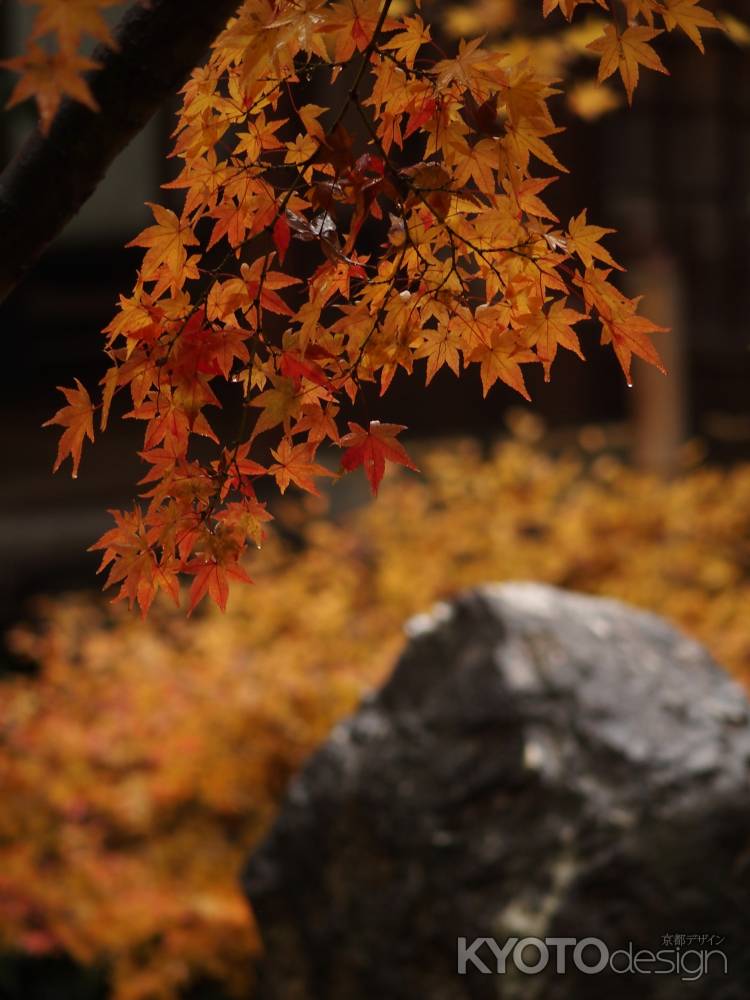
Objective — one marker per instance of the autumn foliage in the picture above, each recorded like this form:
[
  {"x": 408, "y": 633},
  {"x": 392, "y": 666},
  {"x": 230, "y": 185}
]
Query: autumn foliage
[
  {"x": 146, "y": 759},
  {"x": 357, "y": 197},
  {"x": 322, "y": 247}
]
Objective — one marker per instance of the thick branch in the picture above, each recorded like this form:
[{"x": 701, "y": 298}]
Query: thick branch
[{"x": 52, "y": 176}]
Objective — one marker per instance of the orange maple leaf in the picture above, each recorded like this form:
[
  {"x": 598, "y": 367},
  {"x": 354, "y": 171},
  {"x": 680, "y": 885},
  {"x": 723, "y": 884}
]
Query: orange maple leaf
[
  {"x": 212, "y": 578},
  {"x": 629, "y": 334},
  {"x": 294, "y": 464},
  {"x": 166, "y": 242},
  {"x": 440, "y": 347},
  {"x": 71, "y": 20},
  {"x": 78, "y": 420},
  {"x": 352, "y": 23},
  {"x": 48, "y": 77},
  {"x": 501, "y": 358},
  {"x": 583, "y": 239},
  {"x": 552, "y": 329}
]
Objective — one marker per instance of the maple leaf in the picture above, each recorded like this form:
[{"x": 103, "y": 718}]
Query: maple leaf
[
  {"x": 282, "y": 236},
  {"x": 260, "y": 283},
  {"x": 687, "y": 15},
  {"x": 294, "y": 464},
  {"x": 225, "y": 346},
  {"x": 626, "y": 51},
  {"x": 371, "y": 448},
  {"x": 231, "y": 222},
  {"x": 552, "y": 329},
  {"x": 245, "y": 519},
  {"x": 133, "y": 563},
  {"x": 640, "y": 8},
  {"x": 239, "y": 470},
  {"x": 166, "y": 242},
  {"x": 430, "y": 184},
  {"x": 278, "y": 405},
  {"x": 525, "y": 195},
  {"x": 319, "y": 422},
  {"x": 477, "y": 162},
  {"x": 440, "y": 347},
  {"x": 602, "y": 294},
  {"x": 482, "y": 117},
  {"x": 167, "y": 421},
  {"x": 48, "y": 77},
  {"x": 584, "y": 240},
  {"x": 525, "y": 138},
  {"x": 407, "y": 43},
  {"x": 212, "y": 578},
  {"x": 500, "y": 358},
  {"x": 566, "y": 6},
  {"x": 353, "y": 23},
  {"x": 261, "y": 137},
  {"x": 473, "y": 67},
  {"x": 78, "y": 420},
  {"x": 297, "y": 368},
  {"x": 71, "y": 19},
  {"x": 309, "y": 114},
  {"x": 201, "y": 349},
  {"x": 629, "y": 334}
]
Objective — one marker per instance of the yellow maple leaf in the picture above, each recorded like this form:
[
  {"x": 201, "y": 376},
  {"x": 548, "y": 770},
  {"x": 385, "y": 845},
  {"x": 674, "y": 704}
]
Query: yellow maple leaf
[
  {"x": 687, "y": 15},
  {"x": 566, "y": 6},
  {"x": 473, "y": 67},
  {"x": 627, "y": 51},
  {"x": 407, "y": 43}
]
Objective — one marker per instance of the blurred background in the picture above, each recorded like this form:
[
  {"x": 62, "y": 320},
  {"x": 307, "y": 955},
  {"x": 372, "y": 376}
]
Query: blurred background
[{"x": 130, "y": 782}]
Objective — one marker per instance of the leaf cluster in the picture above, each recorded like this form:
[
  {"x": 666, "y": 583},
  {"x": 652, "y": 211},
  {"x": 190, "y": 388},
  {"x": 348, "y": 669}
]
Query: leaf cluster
[
  {"x": 146, "y": 759},
  {"x": 320, "y": 249}
]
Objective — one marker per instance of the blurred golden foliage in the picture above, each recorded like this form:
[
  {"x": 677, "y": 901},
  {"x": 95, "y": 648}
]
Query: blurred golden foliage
[
  {"x": 552, "y": 52},
  {"x": 145, "y": 760}
]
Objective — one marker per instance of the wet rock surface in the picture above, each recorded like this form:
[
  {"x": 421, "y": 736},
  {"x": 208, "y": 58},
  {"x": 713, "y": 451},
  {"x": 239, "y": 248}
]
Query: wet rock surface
[{"x": 540, "y": 764}]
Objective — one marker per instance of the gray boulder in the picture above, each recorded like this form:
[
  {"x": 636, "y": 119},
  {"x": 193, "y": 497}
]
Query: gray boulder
[{"x": 540, "y": 765}]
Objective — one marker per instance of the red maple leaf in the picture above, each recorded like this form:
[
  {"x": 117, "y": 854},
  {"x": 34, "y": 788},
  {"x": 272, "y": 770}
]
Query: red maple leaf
[{"x": 370, "y": 449}]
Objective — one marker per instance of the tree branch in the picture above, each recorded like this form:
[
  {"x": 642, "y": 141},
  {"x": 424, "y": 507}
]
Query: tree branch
[{"x": 52, "y": 176}]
